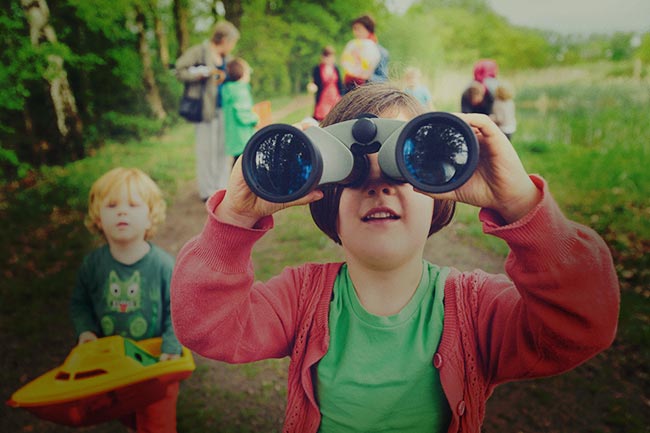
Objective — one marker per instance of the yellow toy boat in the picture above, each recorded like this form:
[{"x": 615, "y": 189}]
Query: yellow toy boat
[{"x": 102, "y": 380}]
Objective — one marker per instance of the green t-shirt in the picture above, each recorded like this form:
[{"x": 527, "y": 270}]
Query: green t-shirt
[
  {"x": 378, "y": 374},
  {"x": 112, "y": 298}
]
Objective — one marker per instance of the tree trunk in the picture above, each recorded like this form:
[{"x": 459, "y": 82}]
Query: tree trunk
[
  {"x": 181, "y": 26},
  {"x": 152, "y": 94},
  {"x": 161, "y": 34},
  {"x": 68, "y": 122},
  {"x": 234, "y": 11}
]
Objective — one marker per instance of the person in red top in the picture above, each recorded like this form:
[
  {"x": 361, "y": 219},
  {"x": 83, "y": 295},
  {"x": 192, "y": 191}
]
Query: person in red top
[
  {"x": 387, "y": 341},
  {"x": 326, "y": 83},
  {"x": 485, "y": 70}
]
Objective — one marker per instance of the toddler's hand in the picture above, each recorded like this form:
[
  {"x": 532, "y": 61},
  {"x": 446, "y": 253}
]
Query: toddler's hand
[
  {"x": 201, "y": 71},
  {"x": 86, "y": 336},
  {"x": 312, "y": 87},
  {"x": 168, "y": 356}
]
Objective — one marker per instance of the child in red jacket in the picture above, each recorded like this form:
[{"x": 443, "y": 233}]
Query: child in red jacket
[{"x": 387, "y": 341}]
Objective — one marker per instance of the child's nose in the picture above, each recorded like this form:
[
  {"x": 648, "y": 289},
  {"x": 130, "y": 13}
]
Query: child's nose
[
  {"x": 377, "y": 182},
  {"x": 384, "y": 188},
  {"x": 381, "y": 185}
]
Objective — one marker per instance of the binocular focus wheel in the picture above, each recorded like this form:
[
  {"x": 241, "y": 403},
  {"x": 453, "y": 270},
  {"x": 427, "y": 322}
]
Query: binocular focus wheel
[{"x": 364, "y": 130}]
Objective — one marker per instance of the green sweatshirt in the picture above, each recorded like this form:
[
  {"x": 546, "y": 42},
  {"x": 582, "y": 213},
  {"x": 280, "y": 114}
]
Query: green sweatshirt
[
  {"x": 111, "y": 298},
  {"x": 238, "y": 114}
]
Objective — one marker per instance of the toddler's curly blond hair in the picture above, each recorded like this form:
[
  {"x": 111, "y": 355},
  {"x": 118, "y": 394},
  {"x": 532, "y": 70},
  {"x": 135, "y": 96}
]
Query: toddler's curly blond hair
[{"x": 109, "y": 185}]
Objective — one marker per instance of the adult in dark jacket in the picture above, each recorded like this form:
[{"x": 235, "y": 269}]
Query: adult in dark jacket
[
  {"x": 479, "y": 96},
  {"x": 476, "y": 99}
]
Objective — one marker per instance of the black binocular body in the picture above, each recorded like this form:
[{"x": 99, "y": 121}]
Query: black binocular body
[{"x": 435, "y": 152}]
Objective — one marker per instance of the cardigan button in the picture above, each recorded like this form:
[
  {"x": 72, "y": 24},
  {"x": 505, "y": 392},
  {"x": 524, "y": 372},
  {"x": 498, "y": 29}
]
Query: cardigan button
[
  {"x": 461, "y": 408},
  {"x": 437, "y": 360}
]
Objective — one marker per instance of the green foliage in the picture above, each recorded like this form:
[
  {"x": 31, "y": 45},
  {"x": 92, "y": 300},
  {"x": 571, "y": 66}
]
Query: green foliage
[
  {"x": 109, "y": 23},
  {"x": 620, "y": 46},
  {"x": 11, "y": 167},
  {"x": 643, "y": 51},
  {"x": 422, "y": 48},
  {"x": 127, "y": 68},
  {"x": 121, "y": 126},
  {"x": 281, "y": 39},
  {"x": 453, "y": 35},
  {"x": 307, "y": 43},
  {"x": 593, "y": 132},
  {"x": 573, "y": 49},
  {"x": 473, "y": 6},
  {"x": 270, "y": 71},
  {"x": 22, "y": 65}
]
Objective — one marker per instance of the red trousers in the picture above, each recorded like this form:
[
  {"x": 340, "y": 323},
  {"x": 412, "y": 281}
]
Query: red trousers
[{"x": 158, "y": 417}]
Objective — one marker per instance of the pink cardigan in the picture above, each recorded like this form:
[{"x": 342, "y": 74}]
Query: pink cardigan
[{"x": 561, "y": 310}]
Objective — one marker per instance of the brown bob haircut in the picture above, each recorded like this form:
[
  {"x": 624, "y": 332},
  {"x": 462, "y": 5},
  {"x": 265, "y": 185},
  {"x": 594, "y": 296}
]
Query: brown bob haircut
[
  {"x": 382, "y": 100},
  {"x": 367, "y": 21},
  {"x": 235, "y": 68}
]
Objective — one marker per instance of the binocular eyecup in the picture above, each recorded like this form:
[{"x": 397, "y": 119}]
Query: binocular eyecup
[{"x": 436, "y": 152}]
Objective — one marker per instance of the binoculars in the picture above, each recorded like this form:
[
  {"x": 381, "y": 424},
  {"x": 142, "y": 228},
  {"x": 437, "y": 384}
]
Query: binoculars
[{"x": 435, "y": 152}]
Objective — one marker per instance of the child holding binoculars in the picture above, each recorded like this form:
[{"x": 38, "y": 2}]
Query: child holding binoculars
[{"x": 387, "y": 341}]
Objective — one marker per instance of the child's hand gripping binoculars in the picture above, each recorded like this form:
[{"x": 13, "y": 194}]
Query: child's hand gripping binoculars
[{"x": 435, "y": 152}]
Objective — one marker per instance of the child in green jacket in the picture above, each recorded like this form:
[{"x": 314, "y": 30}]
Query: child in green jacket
[{"x": 237, "y": 105}]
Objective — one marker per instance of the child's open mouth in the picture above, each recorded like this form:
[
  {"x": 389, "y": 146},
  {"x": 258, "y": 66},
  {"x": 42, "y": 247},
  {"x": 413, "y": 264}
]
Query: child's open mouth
[{"x": 375, "y": 215}]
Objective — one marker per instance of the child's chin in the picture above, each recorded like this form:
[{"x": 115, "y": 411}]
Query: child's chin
[{"x": 385, "y": 255}]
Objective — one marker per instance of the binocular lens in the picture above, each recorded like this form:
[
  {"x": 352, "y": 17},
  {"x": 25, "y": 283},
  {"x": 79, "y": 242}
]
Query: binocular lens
[
  {"x": 435, "y": 152},
  {"x": 282, "y": 166},
  {"x": 437, "y": 155}
]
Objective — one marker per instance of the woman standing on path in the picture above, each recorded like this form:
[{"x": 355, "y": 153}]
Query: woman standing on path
[{"x": 205, "y": 64}]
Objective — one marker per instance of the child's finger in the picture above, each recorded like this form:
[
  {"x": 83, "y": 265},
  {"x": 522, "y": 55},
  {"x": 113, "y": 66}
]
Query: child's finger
[
  {"x": 481, "y": 124},
  {"x": 311, "y": 197},
  {"x": 168, "y": 356},
  {"x": 87, "y": 336}
]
